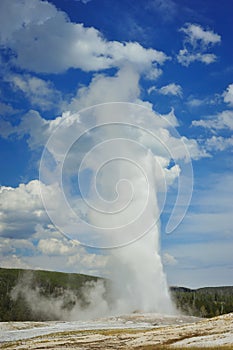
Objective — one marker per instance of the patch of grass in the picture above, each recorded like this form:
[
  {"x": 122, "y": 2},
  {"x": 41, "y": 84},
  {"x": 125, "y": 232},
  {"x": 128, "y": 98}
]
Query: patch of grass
[
  {"x": 107, "y": 332},
  {"x": 11, "y": 345}
]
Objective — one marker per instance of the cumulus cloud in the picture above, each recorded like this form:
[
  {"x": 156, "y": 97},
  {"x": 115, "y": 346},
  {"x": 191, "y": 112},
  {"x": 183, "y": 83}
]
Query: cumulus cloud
[
  {"x": 218, "y": 143},
  {"x": 222, "y": 120},
  {"x": 196, "y": 42},
  {"x": 210, "y": 100},
  {"x": 30, "y": 122},
  {"x": 170, "y": 89},
  {"x": 122, "y": 87},
  {"x": 76, "y": 255},
  {"x": 27, "y": 235},
  {"x": 43, "y": 39},
  {"x": 28, "y": 240},
  {"x": 12, "y": 246},
  {"x": 228, "y": 95},
  {"x": 218, "y": 123},
  {"x": 39, "y": 92},
  {"x": 195, "y": 34},
  {"x": 21, "y": 209},
  {"x": 55, "y": 246},
  {"x": 13, "y": 261},
  {"x": 185, "y": 57},
  {"x": 37, "y": 129}
]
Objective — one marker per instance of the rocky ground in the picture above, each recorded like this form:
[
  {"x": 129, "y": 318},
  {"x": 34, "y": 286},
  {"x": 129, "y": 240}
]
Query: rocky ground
[{"x": 138, "y": 331}]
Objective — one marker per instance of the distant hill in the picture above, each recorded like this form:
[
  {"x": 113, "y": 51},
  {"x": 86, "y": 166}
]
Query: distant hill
[
  {"x": 204, "y": 302},
  {"x": 210, "y": 290},
  {"x": 35, "y": 295},
  {"x": 21, "y": 289}
]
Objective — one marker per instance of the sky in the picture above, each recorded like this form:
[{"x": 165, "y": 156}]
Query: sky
[{"x": 174, "y": 57}]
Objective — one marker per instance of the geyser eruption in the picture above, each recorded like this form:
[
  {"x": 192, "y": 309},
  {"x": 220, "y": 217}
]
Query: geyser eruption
[
  {"x": 111, "y": 175},
  {"x": 139, "y": 282},
  {"x": 125, "y": 188}
]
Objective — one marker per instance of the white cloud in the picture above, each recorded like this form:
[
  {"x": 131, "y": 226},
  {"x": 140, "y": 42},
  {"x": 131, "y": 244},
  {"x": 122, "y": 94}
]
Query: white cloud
[
  {"x": 37, "y": 129},
  {"x": 153, "y": 73},
  {"x": 92, "y": 261},
  {"x": 171, "y": 118},
  {"x": 53, "y": 252},
  {"x": 31, "y": 124},
  {"x": 44, "y": 40},
  {"x": 123, "y": 87},
  {"x": 195, "y": 34},
  {"x": 218, "y": 143},
  {"x": 195, "y": 102},
  {"x": 13, "y": 261},
  {"x": 21, "y": 209},
  {"x": 6, "y": 129},
  {"x": 55, "y": 246},
  {"x": 210, "y": 100},
  {"x": 151, "y": 89},
  {"x": 228, "y": 95},
  {"x": 169, "y": 259},
  {"x": 170, "y": 89},
  {"x": 7, "y": 109},
  {"x": 185, "y": 57},
  {"x": 39, "y": 92},
  {"x": 196, "y": 42},
  {"x": 222, "y": 120},
  {"x": 58, "y": 253}
]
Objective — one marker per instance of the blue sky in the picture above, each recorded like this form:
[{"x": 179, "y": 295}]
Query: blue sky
[{"x": 173, "y": 56}]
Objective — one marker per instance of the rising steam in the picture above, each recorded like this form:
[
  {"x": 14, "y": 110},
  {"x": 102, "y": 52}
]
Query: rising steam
[{"x": 111, "y": 176}]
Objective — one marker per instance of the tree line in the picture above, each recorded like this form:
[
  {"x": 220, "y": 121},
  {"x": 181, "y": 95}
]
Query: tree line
[{"x": 203, "y": 302}]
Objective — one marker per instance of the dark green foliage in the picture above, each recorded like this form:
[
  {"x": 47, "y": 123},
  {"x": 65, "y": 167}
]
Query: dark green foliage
[
  {"x": 203, "y": 302},
  {"x": 49, "y": 284}
]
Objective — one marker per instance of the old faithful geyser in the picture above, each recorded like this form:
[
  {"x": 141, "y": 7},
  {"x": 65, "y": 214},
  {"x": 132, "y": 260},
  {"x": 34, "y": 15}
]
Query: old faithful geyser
[
  {"x": 126, "y": 213},
  {"x": 107, "y": 176},
  {"x": 135, "y": 268},
  {"x": 138, "y": 278}
]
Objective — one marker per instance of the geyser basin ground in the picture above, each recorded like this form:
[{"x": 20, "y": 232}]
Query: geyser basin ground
[{"x": 124, "y": 332}]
